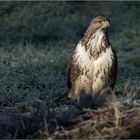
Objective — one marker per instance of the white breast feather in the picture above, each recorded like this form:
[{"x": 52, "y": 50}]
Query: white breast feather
[
  {"x": 103, "y": 61},
  {"x": 96, "y": 42},
  {"x": 83, "y": 58}
]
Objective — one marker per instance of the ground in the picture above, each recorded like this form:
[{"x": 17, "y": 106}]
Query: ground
[{"x": 37, "y": 38}]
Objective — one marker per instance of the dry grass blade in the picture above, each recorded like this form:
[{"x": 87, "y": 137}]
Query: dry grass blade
[{"x": 108, "y": 122}]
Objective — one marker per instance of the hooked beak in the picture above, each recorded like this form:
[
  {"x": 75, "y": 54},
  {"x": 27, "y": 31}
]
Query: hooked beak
[{"x": 105, "y": 24}]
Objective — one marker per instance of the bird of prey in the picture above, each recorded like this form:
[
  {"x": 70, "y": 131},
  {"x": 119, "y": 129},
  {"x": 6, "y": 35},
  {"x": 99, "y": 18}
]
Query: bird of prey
[{"x": 93, "y": 65}]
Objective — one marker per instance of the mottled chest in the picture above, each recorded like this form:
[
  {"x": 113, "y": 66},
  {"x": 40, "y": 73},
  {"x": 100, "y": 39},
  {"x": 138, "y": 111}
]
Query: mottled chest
[
  {"x": 89, "y": 66},
  {"x": 84, "y": 61},
  {"x": 103, "y": 64}
]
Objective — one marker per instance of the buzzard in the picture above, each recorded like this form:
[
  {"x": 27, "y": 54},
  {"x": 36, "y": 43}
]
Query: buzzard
[{"x": 93, "y": 65}]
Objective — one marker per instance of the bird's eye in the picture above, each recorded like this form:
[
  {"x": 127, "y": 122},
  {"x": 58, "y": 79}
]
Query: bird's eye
[{"x": 100, "y": 21}]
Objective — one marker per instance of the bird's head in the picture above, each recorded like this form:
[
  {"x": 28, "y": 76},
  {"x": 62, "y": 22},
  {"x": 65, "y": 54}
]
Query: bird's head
[{"x": 100, "y": 22}]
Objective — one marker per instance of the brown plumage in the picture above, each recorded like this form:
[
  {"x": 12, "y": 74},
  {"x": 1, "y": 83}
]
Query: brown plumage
[{"x": 93, "y": 65}]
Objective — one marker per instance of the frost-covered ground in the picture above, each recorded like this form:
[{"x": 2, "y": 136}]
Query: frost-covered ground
[{"x": 37, "y": 38}]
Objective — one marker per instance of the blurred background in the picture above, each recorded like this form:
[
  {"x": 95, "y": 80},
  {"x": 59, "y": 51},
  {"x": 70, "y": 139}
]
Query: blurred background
[{"x": 37, "y": 38}]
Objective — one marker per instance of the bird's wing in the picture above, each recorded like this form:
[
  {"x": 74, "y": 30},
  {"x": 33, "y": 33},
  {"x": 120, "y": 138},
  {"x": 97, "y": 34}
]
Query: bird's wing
[
  {"x": 113, "y": 72},
  {"x": 69, "y": 73},
  {"x": 73, "y": 71}
]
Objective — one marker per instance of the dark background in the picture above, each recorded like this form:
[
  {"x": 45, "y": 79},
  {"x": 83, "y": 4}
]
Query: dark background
[{"x": 37, "y": 38}]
